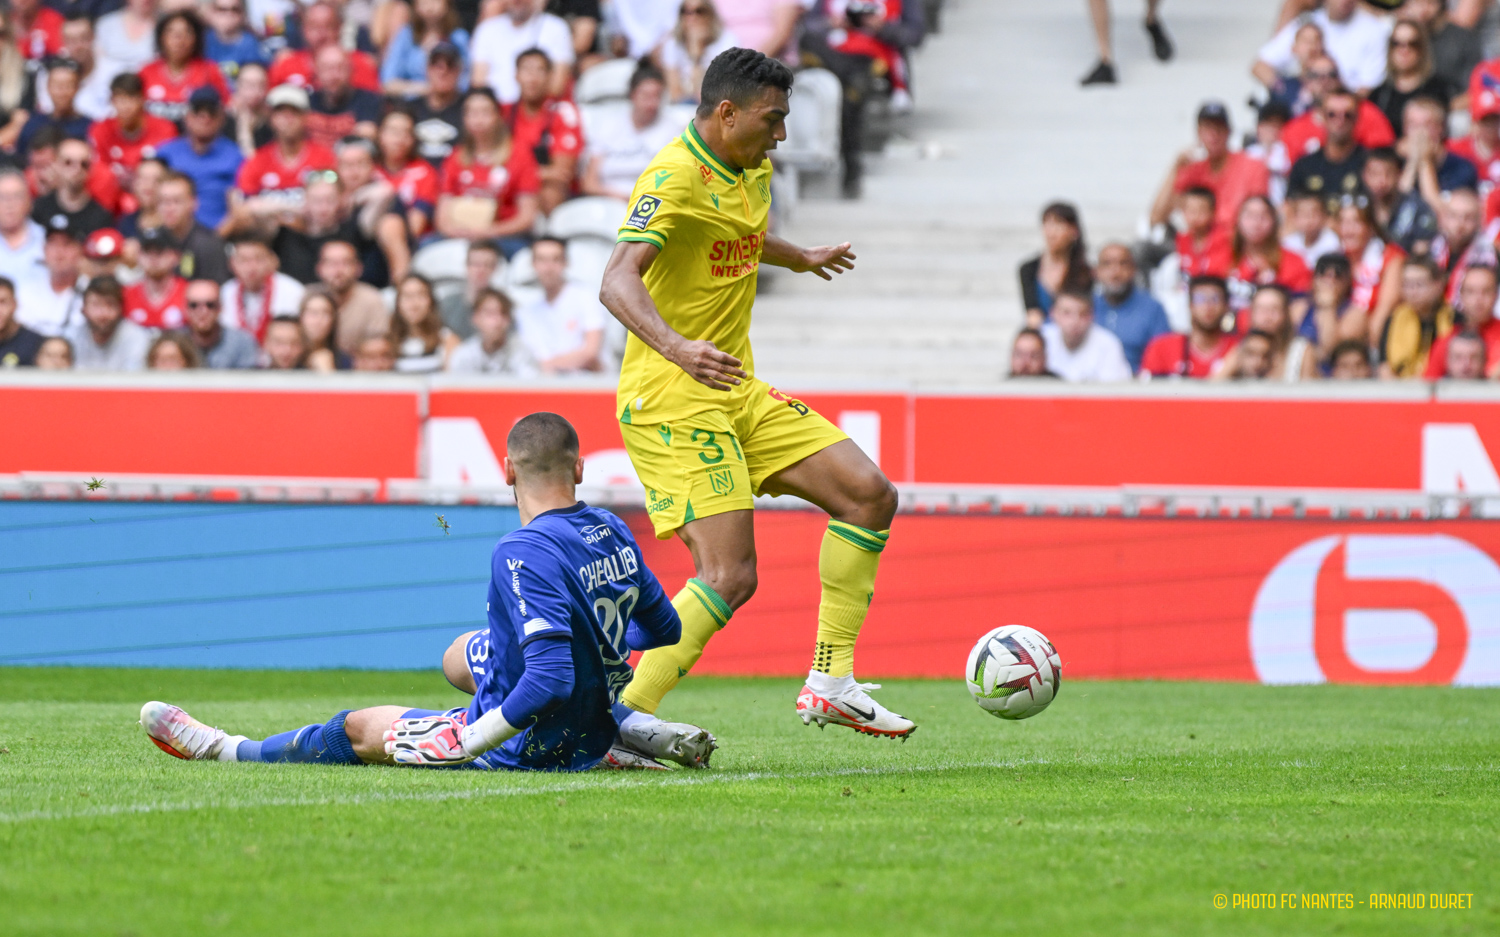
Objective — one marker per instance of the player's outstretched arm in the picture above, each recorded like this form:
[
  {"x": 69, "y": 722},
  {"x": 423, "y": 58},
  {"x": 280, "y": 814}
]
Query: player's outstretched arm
[
  {"x": 824, "y": 261},
  {"x": 625, "y": 295}
]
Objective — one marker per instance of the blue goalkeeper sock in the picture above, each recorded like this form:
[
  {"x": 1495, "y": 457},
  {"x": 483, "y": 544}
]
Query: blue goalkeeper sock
[{"x": 325, "y": 744}]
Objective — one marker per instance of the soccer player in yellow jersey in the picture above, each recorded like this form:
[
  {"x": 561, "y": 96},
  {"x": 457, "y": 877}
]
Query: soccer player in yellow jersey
[{"x": 705, "y": 435}]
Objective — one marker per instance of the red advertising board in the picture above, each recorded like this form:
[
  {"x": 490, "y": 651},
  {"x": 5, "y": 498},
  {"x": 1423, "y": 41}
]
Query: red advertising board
[
  {"x": 1270, "y": 600},
  {"x": 371, "y": 427},
  {"x": 210, "y": 431}
]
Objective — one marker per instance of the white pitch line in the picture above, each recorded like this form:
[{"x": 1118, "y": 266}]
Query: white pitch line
[{"x": 579, "y": 784}]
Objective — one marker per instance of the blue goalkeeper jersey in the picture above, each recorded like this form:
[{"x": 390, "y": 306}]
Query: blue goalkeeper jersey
[{"x": 572, "y": 574}]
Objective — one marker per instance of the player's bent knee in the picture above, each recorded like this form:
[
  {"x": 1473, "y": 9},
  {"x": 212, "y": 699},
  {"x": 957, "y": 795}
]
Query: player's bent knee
[
  {"x": 876, "y": 499},
  {"x": 366, "y": 731},
  {"x": 734, "y": 584},
  {"x": 456, "y": 665}
]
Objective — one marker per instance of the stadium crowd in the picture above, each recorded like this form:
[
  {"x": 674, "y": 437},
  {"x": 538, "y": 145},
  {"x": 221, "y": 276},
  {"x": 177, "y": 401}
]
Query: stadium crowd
[
  {"x": 255, "y": 183},
  {"x": 1351, "y": 235}
]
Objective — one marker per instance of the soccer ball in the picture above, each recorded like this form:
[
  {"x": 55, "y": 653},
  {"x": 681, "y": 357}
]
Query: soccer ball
[{"x": 1013, "y": 672}]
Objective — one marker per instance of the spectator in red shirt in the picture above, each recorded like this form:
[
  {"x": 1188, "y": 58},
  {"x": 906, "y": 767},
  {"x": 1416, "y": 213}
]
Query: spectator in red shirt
[
  {"x": 1376, "y": 268},
  {"x": 182, "y": 69},
  {"x": 1306, "y": 134},
  {"x": 1476, "y": 304},
  {"x": 337, "y": 109},
  {"x": 1233, "y": 177},
  {"x": 273, "y": 182},
  {"x": 1482, "y": 148},
  {"x": 1464, "y": 356},
  {"x": 545, "y": 128},
  {"x": 1460, "y": 243},
  {"x": 413, "y": 179},
  {"x": 159, "y": 300},
  {"x": 489, "y": 187},
  {"x": 1204, "y": 247},
  {"x": 1256, "y": 257},
  {"x": 38, "y": 29},
  {"x": 132, "y": 134},
  {"x": 321, "y": 26},
  {"x": 1200, "y": 353}
]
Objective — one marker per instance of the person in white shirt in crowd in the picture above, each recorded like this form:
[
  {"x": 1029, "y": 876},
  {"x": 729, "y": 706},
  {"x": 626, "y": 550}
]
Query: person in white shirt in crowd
[
  {"x": 125, "y": 40},
  {"x": 54, "y": 305},
  {"x": 564, "y": 329},
  {"x": 257, "y": 292},
  {"x": 494, "y": 347},
  {"x": 21, "y": 239},
  {"x": 1077, "y": 349},
  {"x": 1310, "y": 236},
  {"x": 697, "y": 39},
  {"x": 93, "y": 97},
  {"x": 1354, "y": 37},
  {"x": 105, "y": 340},
  {"x": 499, "y": 40},
  {"x": 621, "y": 148},
  {"x": 638, "y": 27}
]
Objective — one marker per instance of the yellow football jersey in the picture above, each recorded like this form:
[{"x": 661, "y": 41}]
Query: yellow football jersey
[{"x": 709, "y": 222}]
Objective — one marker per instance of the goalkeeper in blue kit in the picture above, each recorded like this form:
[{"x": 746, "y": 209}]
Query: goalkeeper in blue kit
[{"x": 569, "y": 599}]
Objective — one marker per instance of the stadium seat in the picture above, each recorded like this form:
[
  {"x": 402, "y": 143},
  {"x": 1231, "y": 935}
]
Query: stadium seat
[
  {"x": 443, "y": 260},
  {"x": 594, "y": 216},
  {"x": 587, "y": 257},
  {"x": 812, "y": 126},
  {"x": 605, "y": 81},
  {"x": 519, "y": 271},
  {"x": 599, "y": 114}
]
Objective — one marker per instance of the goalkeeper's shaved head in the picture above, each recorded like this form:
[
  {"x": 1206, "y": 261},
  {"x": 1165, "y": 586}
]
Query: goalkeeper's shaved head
[{"x": 543, "y": 447}]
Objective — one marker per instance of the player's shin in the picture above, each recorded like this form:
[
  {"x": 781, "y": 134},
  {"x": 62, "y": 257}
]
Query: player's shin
[
  {"x": 325, "y": 743},
  {"x": 703, "y": 613},
  {"x": 847, "y": 564}
]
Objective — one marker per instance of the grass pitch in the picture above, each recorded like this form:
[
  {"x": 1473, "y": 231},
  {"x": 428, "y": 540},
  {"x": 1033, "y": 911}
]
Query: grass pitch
[{"x": 1125, "y": 808}]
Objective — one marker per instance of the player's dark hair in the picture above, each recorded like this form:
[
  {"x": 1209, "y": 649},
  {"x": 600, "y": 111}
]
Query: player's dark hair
[
  {"x": 542, "y": 445},
  {"x": 738, "y": 75}
]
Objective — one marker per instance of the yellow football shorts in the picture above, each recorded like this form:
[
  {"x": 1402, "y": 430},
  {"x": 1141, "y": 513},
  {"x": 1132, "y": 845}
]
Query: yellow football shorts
[{"x": 716, "y": 461}]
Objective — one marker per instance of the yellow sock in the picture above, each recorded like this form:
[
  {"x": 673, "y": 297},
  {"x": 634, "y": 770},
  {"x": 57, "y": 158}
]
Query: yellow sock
[
  {"x": 703, "y": 613},
  {"x": 846, "y": 563}
]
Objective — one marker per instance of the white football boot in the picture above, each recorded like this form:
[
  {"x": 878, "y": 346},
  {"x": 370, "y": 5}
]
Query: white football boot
[
  {"x": 180, "y": 735},
  {"x": 620, "y": 758},
  {"x": 687, "y": 745},
  {"x": 843, "y": 702}
]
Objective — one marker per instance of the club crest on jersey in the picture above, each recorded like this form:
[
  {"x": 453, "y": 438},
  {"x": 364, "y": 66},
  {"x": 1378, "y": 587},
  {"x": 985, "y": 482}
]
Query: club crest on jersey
[
  {"x": 705, "y": 172},
  {"x": 722, "y": 481},
  {"x": 640, "y": 215}
]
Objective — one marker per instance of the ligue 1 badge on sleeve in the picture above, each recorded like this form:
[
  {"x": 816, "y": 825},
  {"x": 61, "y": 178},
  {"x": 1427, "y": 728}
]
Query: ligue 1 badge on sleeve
[{"x": 640, "y": 215}]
